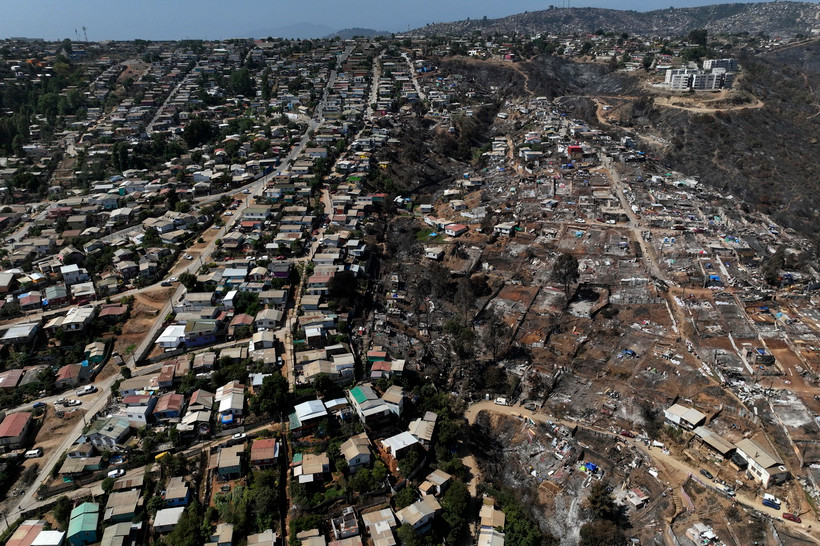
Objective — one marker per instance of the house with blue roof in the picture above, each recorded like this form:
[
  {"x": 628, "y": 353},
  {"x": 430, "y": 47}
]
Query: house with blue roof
[{"x": 82, "y": 526}]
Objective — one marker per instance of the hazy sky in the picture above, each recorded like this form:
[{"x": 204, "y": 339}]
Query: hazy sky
[{"x": 215, "y": 19}]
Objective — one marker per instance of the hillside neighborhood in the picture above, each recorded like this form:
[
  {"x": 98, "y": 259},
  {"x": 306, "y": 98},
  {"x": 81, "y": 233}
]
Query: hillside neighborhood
[{"x": 357, "y": 291}]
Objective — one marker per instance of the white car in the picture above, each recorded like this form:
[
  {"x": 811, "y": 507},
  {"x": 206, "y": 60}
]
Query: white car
[
  {"x": 188, "y": 257},
  {"x": 116, "y": 473}
]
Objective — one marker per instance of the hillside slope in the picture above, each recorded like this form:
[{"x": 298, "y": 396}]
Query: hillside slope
[
  {"x": 772, "y": 18},
  {"x": 767, "y": 156}
]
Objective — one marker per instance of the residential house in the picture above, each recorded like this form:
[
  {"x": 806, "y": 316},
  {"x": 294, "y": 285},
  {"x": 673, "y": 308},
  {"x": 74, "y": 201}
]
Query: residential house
[
  {"x": 82, "y": 524},
  {"x": 396, "y": 446},
  {"x": 74, "y": 274},
  {"x": 266, "y": 538},
  {"x": 122, "y": 506},
  {"x": 356, "y": 451},
  {"x": 169, "y": 406},
  {"x": 177, "y": 492},
  {"x": 94, "y": 352},
  {"x": 268, "y": 319},
  {"x": 420, "y": 514},
  {"x": 311, "y": 467},
  {"x": 139, "y": 408},
  {"x": 684, "y": 417},
  {"x": 231, "y": 400},
  {"x": 345, "y": 525},
  {"x": 454, "y": 230},
  {"x": 763, "y": 466},
  {"x": 14, "y": 430},
  {"x": 120, "y": 534},
  {"x": 10, "y": 379},
  {"x": 435, "y": 483},
  {"x": 241, "y": 324},
  {"x": 380, "y": 525},
  {"x": 19, "y": 334},
  {"x": 69, "y": 375},
  {"x": 223, "y": 535},
  {"x": 201, "y": 400},
  {"x": 201, "y": 332},
  {"x": 229, "y": 462},
  {"x": 394, "y": 398},
  {"x": 55, "y": 296},
  {"x": 263, "y": 340},
  {"x": 371, "y": 409},
  {"x": 423, "y": 427},
  {"x": 278, "y": 299},
  {"x": 109, "y": 434},
  {"x": 83, "y": 293},
  {"x": 434, "y": 253},
  {"x": 306, "y": 416},
  {"x": 264, "y": 452},
  {"x": 167, "y": 518}
]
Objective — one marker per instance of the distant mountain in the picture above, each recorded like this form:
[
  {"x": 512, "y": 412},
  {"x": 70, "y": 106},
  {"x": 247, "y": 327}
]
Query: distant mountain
[
  {"x": 348, "y": 33},
  {"x": 296, "y": 30},
  {"x": 772, "y": 18}
]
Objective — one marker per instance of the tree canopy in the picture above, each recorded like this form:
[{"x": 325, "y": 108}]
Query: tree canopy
[{"x": 565, "y": 271}]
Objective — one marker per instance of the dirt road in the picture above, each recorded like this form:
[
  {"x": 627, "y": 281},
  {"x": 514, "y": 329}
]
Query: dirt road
[{"x": 672, "y": 471}]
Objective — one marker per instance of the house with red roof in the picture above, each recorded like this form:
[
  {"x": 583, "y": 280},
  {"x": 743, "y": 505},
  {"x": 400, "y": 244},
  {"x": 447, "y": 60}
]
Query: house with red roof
[
  {"x": 14, "y": 429},
  {"x": 264, "y": 452},
  {"x": 169, "y": 406}
]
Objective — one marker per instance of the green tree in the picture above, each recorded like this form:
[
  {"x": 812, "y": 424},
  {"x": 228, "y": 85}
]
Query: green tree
[
  {"x": 342, "y": 287},
  {"x": 408, "y": 536},
  {"x": 565, "y": 271},
  {"x": 406, "y": 496},
  {"x": 601, "y": 503},
  {"x": 197, "y": 132},
  {"x": 107, "y": 485},
  {"x": 601, "y": 533},
  {"x": 151, "y": 237},
  {"x": 273, "y": 396},
  {"x": 773, "y": 265},
  {"x": 240, "y": 83},
  {"x": 188, "y": 280},
  {"x": 62, "y": 511},
  {"x": 188, "y": 529},
  {"x": 456, "y": 505},
  {"x": 698, "y": 36}
]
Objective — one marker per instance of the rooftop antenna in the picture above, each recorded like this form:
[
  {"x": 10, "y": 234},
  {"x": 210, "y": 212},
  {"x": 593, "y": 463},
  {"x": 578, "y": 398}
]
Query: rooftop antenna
[
  {"x": 77, "y": 34},
  {"x": 85, "y": 33}
]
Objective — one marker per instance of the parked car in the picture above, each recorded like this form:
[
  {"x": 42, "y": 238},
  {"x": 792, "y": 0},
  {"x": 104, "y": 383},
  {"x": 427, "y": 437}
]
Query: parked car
[
  {"x": 88, "y": 389},
  {"x": 34, "y": 453},
  {"x": 188, "y": 257},
  {"x": 165, "y": 283},
  {"x": 771, "y": 501},
  {"x": 116, "y": 473},
  {"x": 60, "y": 402},
  {"x": 73, "y": 402},
  {"x": 239, "y": 436},
  {"x": 792, "y": 517},
  {"x": 706, "y": 473},
  {"x": 38, "y": 405}
]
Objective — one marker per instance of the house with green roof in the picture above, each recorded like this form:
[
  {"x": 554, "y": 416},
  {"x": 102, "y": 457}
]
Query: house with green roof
[
  {"x": 82, "y": 527},
  {"x": 371, "y": 409}
]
